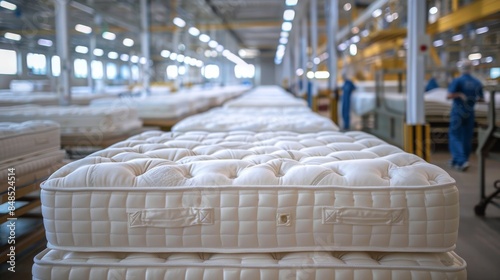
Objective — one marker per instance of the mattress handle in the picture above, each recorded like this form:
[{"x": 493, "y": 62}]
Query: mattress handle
[
  {"x": 364, "y": 216},
  {"x": 170, "y": 217}
]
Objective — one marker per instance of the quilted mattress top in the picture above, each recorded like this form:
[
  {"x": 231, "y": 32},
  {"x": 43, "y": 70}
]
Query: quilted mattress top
[
  {"x": 40, "y": 112},
  {"x": 9, "y": 129},
  {"x": 156, "y": 159}
]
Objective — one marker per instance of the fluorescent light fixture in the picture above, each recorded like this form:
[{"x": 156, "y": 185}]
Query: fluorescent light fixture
[
  {"x": 8, "y": 5},
  {"x": 12, "y": 36},
  {"x": 283, "y": 40},
  {"x": 182, "y": 70},
  {"x": 475, "y": 62},
  {"x": 204, "y": 38},
  {"x": 112, "y": 55},
  {"x": 180, "y": 58},
  {"x": 353, "y": 49},
  {"x": 179, "y": 22},
  {"x": 347, "y": 7},
  {"x": 173, "y": 56},
  {"x": 482, "y": 30},
  {"x": 389, "y": 18},
  {"x": 134, "y": 59},
  {"x": 199, "y": 63},
  {"x": 299, "y": 72},
  {"x": 316, "y": 60},
  {"x": 45, "y": 42},
  {"x": 187, "y": 60},
  {"x": 286, "y": 26},
  {"x": 395, "y": 16},
  {"x": 127, "y": 42},
  {"x": 165, "y": 53},
  {"x": 355, "y": 30},
  {"x": 288, "y": 14},
  {"x": 143, "y": 60},
  {"x": 248, "y": 53},
  {"x": 342, "y": 47},
  {"x": 488, "y": 59},
  {"x": 377, "y": 13},
  {"x": 81, "y": 49},
  {"x": 213, "y": 44},
  {"x": 474, "y": 56},
  {"x": 219, "y": 48},
  {"x": 194, "y": 31},
  {"x": 310, "y": 75},
  {"x": 124, "y": 57},
  {"x": 322, "y": 75},
  {"x": 457, "y": 37},
  {"x": 438, "y": 43},
  {"x": 98, "y": 52},
  {"x": 433, "y": 10},
  {"x": 83, "y": 28},
  {"x": 365, "y": 33},
  {"x": 355, "y": 39},
  {"x": 291, "y": 2},
  {"x": 284, "y": 34},
  {"x": 108, "y": 35}
]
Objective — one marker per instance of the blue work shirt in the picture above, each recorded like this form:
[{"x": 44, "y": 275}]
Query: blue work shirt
[
  {"x": 348, "y": 87},
  {"x": 471, "y": 87},
  {"x": 432, "y": 84}
]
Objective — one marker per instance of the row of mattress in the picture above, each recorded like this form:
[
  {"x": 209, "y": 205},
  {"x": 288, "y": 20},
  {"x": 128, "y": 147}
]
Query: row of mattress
[{"x": 226, "y": 202}]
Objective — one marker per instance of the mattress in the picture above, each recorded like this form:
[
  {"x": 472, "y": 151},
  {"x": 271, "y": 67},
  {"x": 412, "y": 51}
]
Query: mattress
[
  {"x": 242, "y": 192},
  {"x": 21, "y": 140},
  {"x": 44, "y": 98},
  {"x": 54, "y": 264},
  {"x": 258, "y": 120},
  {"x": 77, "y": 119}
]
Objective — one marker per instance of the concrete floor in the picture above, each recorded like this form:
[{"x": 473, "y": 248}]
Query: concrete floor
[{"x": 478, "y": 238}]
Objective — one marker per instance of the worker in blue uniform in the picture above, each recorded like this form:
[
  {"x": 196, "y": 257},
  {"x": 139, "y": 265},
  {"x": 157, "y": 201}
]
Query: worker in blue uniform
[
  {"x": 431, "y": 84},
  {"x": 465, "y": 91},
  {"x": 347, "y": 88}
]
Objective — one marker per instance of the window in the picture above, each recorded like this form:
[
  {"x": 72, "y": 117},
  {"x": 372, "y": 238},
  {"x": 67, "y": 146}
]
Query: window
[
  {"x": 36, "y": 63},
  {"x": 172, "y": 72},
  {"x": 125, "y": 72},
  {"x": 135, "y": 72},
  {"x": 244, "y": 71},
  {"x": 80, "y": 66},
  {"x": 55, "y": 64},
  {"x": 9, "y": 62},
  {"x": 97, "y": 69},
  {"x": 111, "y": 71},
  {"x": 211, "y": 71}
]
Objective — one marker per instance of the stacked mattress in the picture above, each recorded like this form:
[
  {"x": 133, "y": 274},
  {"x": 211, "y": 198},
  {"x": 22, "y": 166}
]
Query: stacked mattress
[
  {"x": 266, "y": 96},
  {"x": 250, "y": 205},
  {"x": 32, "y": 149},
  {"x": 77, "y": 120}
]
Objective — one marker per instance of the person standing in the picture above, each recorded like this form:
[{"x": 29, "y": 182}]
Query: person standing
[
  {"x": 464, "y": 91},
  {"x": 347, "y": 88}
]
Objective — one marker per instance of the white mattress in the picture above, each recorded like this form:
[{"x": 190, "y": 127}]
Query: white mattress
[
  {"x": 77, "y": 119},
  {"x": 21, "y": 140},
  {"x": 44, "y": 98},
  {"x": 53, "y": 264},
  {"x": 258, "y": 120},
  {"x": 251, "y": 192}
]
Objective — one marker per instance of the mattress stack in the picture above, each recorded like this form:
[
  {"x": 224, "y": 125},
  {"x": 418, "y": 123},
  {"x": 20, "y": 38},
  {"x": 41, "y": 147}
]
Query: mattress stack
[
  {"x": 29, "y": 151},
  {"x": 266, "y": 96},
  {"x": 231, "y": 203}
]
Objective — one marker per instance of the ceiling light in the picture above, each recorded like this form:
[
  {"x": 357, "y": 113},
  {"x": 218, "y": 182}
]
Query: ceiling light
[
  {"x": 286, "y": 26},
  {"x": 474, "y": 56},
  {"x": 213, "y": 44},
  {"x": 283, "y": 40},
  {"x": 299, "y": 72},
  {"x": 284, "y": 34},
  {"x": 316, "y": 60},
  {"x": 204, "y": 38},
  {"x": 83, "y": 28},
  {"x": 219, "y": 48},
  {"x": 342, "y": 47},
  {"x": 289, "y": 14},
  {"x": 488, "y": 59},
  {"x": 81, "y": 49},
  {"x": 365, "y": 33},
  {"x": 173, "y": 56},
  {"x": 347, "y": 7},
  {"x": 291, "y": 2},
  {"x": 112, "y": 55},
  {"x": 108, "y": 35},
  {"x": 98, "y": 52},
  {"x": 45, "y": 42},
  {"x": 179, "y": 22},
  {"x": 143, "y": 60},
  {"x": 8, "y": 5},
  {"x": 194, "y": 31},
  {"x": 12, "y": 36},
  {"x": 180, "y": 57},
  {"x": 482, "y": 30},
  {"x": 433, "y": 10},
  {"x": 438, "y": 43},
  {"x": 353, "y": 49},
  {"x": 124, "y": 57},
  {"x": 457, "y": 37},
  {"x": 165, "y": 53},
  {"x": 310, "y": 75},
  {"x": 128, "y": 42},
  {"x": 134, "y": 59},
  {"x": 355, "y": 39},
  {"x": 355, "y": 30},
  {"x": 377, "y": 13},
  {"x": 322, "y": 75}
]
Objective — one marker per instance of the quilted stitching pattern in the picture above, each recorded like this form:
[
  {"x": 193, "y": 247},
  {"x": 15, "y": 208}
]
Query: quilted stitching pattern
[
  {"x": 300, "y": 265},
  {"x": 248, "y": 179}
]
